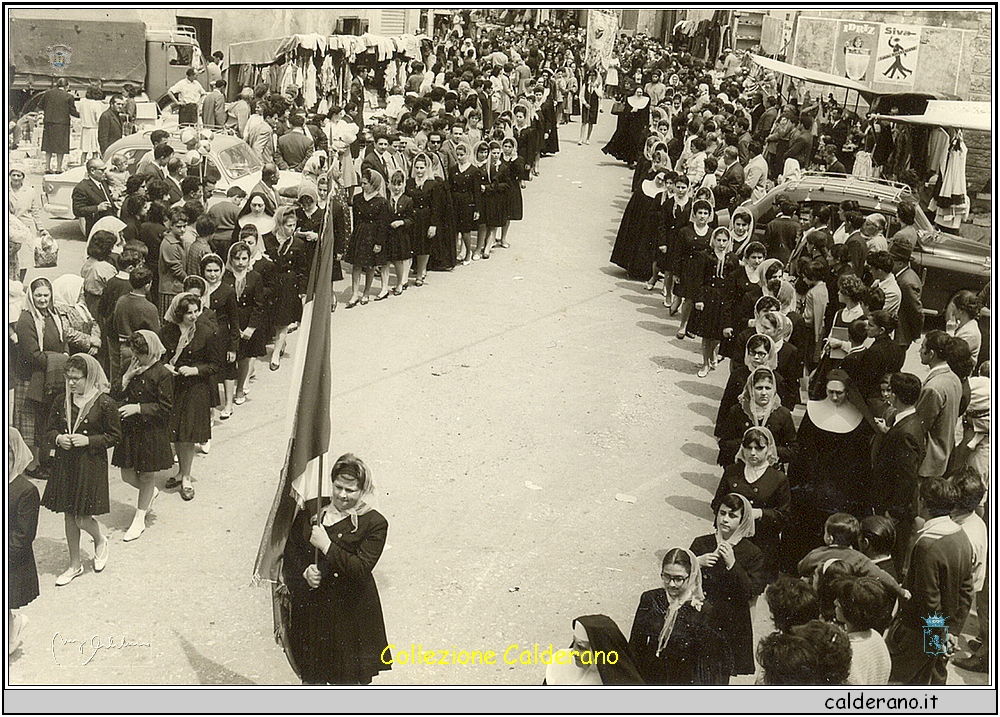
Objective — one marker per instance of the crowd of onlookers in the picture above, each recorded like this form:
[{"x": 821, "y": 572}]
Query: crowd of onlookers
[{"x": 875, "y": 496}]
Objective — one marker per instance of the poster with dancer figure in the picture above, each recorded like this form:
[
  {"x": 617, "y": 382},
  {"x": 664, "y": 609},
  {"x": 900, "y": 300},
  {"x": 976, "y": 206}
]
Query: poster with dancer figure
[
  {"x": 898, "y": 49},
  {"x": 855, "y": 55}
]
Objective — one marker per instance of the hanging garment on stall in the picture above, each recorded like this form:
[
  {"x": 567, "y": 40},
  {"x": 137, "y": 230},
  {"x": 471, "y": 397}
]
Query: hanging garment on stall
[
  {"x": 937, "y": 151},
  {"x": 309, "y": 85},
  {"x": 951, "y": 203}
]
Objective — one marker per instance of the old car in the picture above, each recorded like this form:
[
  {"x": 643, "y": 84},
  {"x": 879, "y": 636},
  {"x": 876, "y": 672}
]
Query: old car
[
  {"x": 235, "y": 162},
  {"x": 946, "y": 263}
]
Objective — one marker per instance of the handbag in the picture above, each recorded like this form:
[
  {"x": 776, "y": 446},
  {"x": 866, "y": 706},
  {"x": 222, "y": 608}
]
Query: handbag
[
  {"x": 618, "y": 108},
  {"x": 47, "y": 251}
]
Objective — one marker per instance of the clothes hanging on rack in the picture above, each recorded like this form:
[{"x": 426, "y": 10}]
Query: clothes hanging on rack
[{"x": 951, "y": 201}]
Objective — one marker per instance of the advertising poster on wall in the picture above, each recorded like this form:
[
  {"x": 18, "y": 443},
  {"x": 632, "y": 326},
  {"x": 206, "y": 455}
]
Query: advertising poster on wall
[
  {"x": 898, "y": 48},
  {"x": 856, "y": 47}
]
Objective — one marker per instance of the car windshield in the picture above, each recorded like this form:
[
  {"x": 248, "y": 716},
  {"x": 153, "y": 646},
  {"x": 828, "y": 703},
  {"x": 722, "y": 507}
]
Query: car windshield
[{"x": 238, "y": 161}]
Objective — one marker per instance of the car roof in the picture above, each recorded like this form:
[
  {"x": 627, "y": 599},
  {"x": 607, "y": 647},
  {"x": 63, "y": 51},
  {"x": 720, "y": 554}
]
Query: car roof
[{"x": 835, "y": 188}]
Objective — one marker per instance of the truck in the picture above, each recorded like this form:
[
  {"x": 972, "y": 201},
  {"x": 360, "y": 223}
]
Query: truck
[{"x": 106, "y": 53}]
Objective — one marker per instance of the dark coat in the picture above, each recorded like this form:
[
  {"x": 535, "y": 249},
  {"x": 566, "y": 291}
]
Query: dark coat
[
  {"x": 940, "y": 583},
  {"x": 337, "y": 632},
  {"x": 730, "y": 592},
  {"x": 294, "y": 148},
  {"x": 736, "y": 422},
  {"x": 79, "y": 481},
  {"x": 109, "y": 129},
  {"x": 87, "y": 195},
  {"x": 896, "y": 467},
  {"x": 249, "y": 313},
  {"x": 911, "y": 315},
  {"x": 22, "y": 524},
  {"x": 866, "y": 368},
  {"x": 145, "y": 444},
  {"x": 769, "y": 493},
  {"x": 780, "y": 238},
  {"x": 697, "y": 653}
]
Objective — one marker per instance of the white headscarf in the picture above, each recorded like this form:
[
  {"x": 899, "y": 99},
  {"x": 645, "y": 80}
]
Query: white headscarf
[
  {"x": 22, "y": 457},
  {"x": 692, "y": 593},
  {"x": 67, "y": 293},
  {"x": 155, "y": 351},
  {"x": 95, "y": 383},
  {"x": 39, "y": 315},
  {"x": 746, "y": 528}
]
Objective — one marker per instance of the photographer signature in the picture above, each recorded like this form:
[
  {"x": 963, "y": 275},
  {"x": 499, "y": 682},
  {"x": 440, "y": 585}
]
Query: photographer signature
[{"x": 93, "y": 645}]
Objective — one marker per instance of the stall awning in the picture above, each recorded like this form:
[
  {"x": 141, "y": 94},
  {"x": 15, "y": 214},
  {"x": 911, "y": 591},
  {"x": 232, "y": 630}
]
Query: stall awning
[
  {"x": 820, "y": 78},
  {"x": 264, "y": 52},
  {"x": 945, "y": 113}
]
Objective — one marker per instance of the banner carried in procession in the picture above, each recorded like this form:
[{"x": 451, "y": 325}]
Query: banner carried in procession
[
  {"x": 897, "y": 54},
  {"x": 856, "y": 50},
  {"x": 602, "y": 32}
]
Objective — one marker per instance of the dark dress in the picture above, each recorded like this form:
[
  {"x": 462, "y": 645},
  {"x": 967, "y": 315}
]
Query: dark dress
[
  {"x": 443, "y": 249},
  {"x": 22, "y": 524},
  {"x": 426, "y": 212},
  {"x": 145, "y": 444},
  {"x": 516, "y": 172},
  {"x": 742, "y": 298},
  {"x": 223, "y": 303},
  {"x": 400, "y": 245},
  {"x": 336, "y": 632},
  {"x": 589, "y": 114},
  {"x": 730, "y": 592},
  {"x": 79, "y": 481},
  {"x": 291, "y": 276},
  {"x": 736, "y": 422},
  {"x": 690, "y": 246},
  {"x": 371, "y": 229},
  {"x": 697, "y": 653},
  {"x": 467, "y": 197},
  {"x": 771, "y": 495},
  {"x": 310, "y": 223},
  {"x": 249, "y": 312},
  {"x": 191, "y": 417},
  {"x": 527, "y": 144},
  {"x": 496, "y": 185},
  {"x": 830, "y": 474},
  {"x": 675, "y": 217},
  {"x": 712, "y": 291},
  {"x": 550, "y": 132},
  {"x": 638, "y": 234},
  {"x": 627, "y": 142}
]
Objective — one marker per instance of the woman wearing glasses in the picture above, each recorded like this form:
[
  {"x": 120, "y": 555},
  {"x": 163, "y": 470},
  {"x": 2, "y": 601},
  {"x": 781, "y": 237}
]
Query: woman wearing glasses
[{"x": 676, "y": 638}]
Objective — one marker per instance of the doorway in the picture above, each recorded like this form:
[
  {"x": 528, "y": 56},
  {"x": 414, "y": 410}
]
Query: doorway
[{"x": 202, "y": 30}]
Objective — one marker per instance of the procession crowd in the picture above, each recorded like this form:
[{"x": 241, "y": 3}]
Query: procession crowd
[
  {"x": 856, "y": 525},
  {"x": 876, "y": 496}
]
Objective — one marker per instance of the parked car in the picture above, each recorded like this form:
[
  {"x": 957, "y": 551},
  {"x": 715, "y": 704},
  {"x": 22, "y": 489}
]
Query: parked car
[
  {"x": 946, "y": 263},
  {"x": 235, "y": 161}
]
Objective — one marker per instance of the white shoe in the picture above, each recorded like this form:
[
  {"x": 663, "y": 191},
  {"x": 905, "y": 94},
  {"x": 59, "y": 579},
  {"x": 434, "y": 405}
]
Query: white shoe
[
  {"x": 135, "y": 530},
  {"x": 69, "y": 576},
  {"x": 204, "y": 447},
  {"x": 101, "y": 558},
  {"x": 16, "y": 628}
]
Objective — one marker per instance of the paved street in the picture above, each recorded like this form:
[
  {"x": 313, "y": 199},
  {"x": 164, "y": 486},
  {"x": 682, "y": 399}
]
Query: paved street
[{"x": 537, "y": 435}]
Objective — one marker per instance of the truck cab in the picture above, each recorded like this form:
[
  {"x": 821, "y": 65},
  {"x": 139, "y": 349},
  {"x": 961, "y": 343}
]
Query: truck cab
[{"x": 170, "y": 51}]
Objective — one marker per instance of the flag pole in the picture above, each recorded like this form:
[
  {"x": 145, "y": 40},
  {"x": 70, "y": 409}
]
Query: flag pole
[{"x": 319, "y": 491}]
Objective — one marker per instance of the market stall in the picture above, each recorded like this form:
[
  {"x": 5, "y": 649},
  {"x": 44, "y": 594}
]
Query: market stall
[{"x": 323, "y": 66}]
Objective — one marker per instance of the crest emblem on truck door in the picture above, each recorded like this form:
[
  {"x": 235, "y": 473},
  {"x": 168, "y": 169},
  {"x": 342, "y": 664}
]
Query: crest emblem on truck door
[{"x": 59, "y": 55}]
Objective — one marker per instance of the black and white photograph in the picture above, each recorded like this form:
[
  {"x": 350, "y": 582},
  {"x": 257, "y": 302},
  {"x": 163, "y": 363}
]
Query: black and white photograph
[{"x": 425, "y": 353}]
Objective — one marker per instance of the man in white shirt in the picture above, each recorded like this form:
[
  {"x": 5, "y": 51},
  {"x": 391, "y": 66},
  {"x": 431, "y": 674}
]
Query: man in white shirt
[
  {"x": 188, "y": 93},
  {"x": 880, "y": 264}
]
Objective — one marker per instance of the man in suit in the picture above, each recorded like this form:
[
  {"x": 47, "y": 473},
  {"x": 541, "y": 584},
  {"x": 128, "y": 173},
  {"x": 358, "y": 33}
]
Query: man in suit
[
  {"x": 911, "y": 311},
  {"x": 176, "y": 172},
  {"x": 782, "y": 232},
  {"x": 109, "y": 126},
  {"x": 294, "y": 146},
  {"x": 896, "y": 463},
  {"x": 800, "y": 145},
  {"x": 730, "y": 188},
  {"x": 377, "y": 157},
  {"x": 213, "y": 107},
  {"x": 938, "y": 404},
  {"x": 940, "y": 582},
  {"x": 57, "y": 106},
  {"x": 92, "y": 197},
  {"x": 268, "y": 186}
]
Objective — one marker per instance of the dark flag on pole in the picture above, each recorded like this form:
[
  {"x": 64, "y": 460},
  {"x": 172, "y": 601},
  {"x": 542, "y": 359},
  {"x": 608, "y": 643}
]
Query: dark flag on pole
[{"x": 309, "y": 434}]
